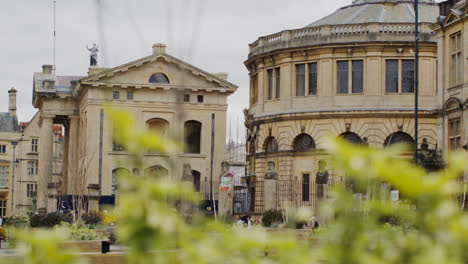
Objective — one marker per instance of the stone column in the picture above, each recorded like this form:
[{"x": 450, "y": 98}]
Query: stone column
[
  {"x": 64, "y": 178},
  {"x": 52, "y": 197},
  {"x": 269, "y": 190},
  {"x": 72, "y": 180},
  {"x": 93, "y": 197},
  {"x": 226, "y": 196},
  {"x": 45, "y": 160}
]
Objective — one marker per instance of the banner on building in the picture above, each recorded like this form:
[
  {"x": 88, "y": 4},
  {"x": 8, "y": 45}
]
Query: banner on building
[{"x": 226, "y": 183}]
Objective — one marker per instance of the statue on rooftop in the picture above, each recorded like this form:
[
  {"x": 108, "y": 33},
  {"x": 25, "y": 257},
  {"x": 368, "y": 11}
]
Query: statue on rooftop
[{"x": 93, "y": 54}]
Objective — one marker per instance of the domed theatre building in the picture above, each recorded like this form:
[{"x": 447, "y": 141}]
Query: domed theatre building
[{"x": 349, "y": 74}]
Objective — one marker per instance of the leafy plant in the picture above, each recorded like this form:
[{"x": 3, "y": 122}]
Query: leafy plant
[
  {"x": 92, "y": 218},
  {"x": 272, "y": 217},
  {"x": 78, "y": 231},
  {"x": 55, "y": 218},
  {"x": 18, "y": 221},
  {"x": 36, "y": 220}
]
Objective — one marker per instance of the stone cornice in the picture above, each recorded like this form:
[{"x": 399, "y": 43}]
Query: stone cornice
[
  {"x": 340, "y": 114},
  {"x": 335, "y": 34}
]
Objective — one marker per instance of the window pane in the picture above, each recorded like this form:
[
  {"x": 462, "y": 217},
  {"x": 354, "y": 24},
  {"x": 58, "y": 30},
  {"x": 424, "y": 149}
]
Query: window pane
[
  {"x": 459, "y": 68},
  {"x": 358, "y": 77},
  {"x": 391, "y": 76},
  {"x": 454, "y": 43},
  {"x": 270, "y": 84},
  {"x": 312, "y": 78},
  {"x": 343, "y": 69},
  {"x": 300, "y": 79},
  {"x": 305, "y": 187},
  {"x": 115, "y": 95},
  {"x": 407, "y": 76},
  {"x": 454, "y": 70},
  {"x": 130, "y": 95},
  {"x": 278, "y": 82}
]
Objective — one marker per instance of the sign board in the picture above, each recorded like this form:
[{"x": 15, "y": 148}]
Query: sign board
[
  {"x": 226, "y": 183},
  {"x": 394, "y": 195}
]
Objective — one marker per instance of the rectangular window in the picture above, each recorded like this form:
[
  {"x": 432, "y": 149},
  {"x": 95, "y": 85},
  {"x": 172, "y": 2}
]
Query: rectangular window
[
  {"x": 358, "y": 76},
  {"x": 115, "y": 95},
  {"x": 305, "y": 187},
  {"x": 270, "y": 84},
  {"x": 278, "y": 82},
  {"x": 254, "y": 92},
  {"x": 34, "y": 143},
  {"x": 30, "y": 190},
  {"x": 456, "y": 65},
  {"x": 186, "y": 98},
  {"x": 300, "y": 79},
  {"x": 129, "y": 95},
  {"x": 407, "y": 76},
  {"x": 116, "y": 146},
  {"x": 343, "y": 75},
  {"x": 391, "y": 76},
  {"x": 3, "y": 208},
  {"x": 313, "y": 78},
  {"x": 2, "y": 149},
  {"x": 200, "y": 98},
  {"x": 454, "y": 134},
  {"x": 4, "y": 176},
  {"x": 33, "y": 168}
]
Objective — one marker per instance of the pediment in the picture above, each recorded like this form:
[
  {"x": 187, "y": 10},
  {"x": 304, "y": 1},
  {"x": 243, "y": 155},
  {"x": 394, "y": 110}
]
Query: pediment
[
  {"x": 137, "y": 74},
  {"x": 452, "y": 17}
]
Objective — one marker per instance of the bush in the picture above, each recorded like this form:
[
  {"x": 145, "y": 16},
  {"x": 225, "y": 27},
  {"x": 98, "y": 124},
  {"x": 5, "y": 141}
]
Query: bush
[
  {"x": 92, "y": 218},
  {"x": 78, "y": 232},
  {"x": 36, "y": 220},
  {"x": 271, "y": 217},
  {"x": 108, "y": 219},
  {"x": 19, "y": 221},
  {"x": 53, "y": 219}
]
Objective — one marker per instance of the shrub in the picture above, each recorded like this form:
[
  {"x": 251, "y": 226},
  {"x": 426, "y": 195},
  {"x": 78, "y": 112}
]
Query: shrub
[
  {"x": 92, "y": 218},
  {"x": 271, "y": 217},
  {"x": 36, "y": 220},
  {"x": 77, "y": 231},
  {"x": 55, "y": 218},
  {"x": 18, "y": 221},
  {"x": 108, "y": 219}
]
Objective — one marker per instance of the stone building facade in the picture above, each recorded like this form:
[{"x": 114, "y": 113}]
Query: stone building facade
[
  {"x": 349, "y": 74},
  {"x": 452, "y": 44},
  {"x": 162, "y": 93}
]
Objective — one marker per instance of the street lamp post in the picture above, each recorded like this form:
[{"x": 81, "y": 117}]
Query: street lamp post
[{"x": 416, "y": 78}]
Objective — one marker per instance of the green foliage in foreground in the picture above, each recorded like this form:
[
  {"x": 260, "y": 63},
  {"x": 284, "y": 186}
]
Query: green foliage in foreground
[{"x": 428, "y": 228}]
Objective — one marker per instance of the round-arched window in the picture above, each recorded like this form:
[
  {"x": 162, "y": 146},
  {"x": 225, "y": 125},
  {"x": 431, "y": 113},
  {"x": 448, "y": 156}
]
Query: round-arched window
[
  {"x": 303, "y": 142},
  {"x": 158, "y": 78},
  {"x": 271, "y": 145},
  {"x": 351, "y": 137},
  {"x": 398, "y": 137}
]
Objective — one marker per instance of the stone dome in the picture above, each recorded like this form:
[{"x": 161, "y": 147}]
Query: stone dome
[{"x": 380, "y": 11}]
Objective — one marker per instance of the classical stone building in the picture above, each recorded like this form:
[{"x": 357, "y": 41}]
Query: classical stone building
[
  {"x": 19, "y": 155},
  {"x": 349, "y": 74},
  {"x": 452, "y": 44},
  {"x": 163, "y": 93}
]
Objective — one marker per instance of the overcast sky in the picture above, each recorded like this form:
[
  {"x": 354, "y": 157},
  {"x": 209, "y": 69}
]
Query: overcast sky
[{"x": 210, "y": 34}]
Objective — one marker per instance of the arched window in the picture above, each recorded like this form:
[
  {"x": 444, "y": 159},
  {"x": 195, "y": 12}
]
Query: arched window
[
  {"x": 303, "y": 142},
  {"x": 351, "y": 137},
  {"x": 115, "y": 173},
  {"x": 158, "y": 78},
  {"x": 196, "y": 180},
  {"x": 271, "y": 145},
  {"x": 398, "y": 137},
  {"x": 158, "y": 124},
  {"x": 192, "y": 136},
  {"x": 156, "y": 171}
]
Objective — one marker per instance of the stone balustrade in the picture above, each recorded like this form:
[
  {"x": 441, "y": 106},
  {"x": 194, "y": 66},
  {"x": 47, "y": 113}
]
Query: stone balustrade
[{"x": 330, "y": 34}]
